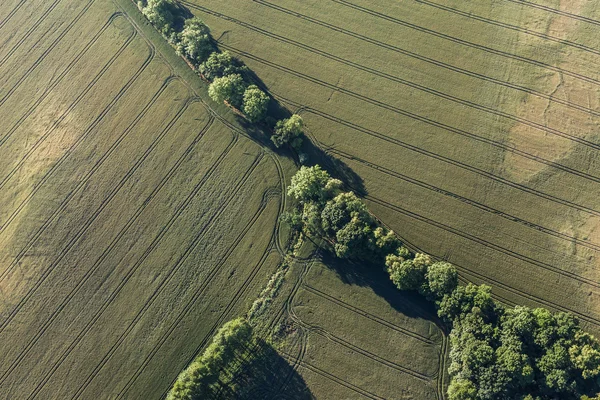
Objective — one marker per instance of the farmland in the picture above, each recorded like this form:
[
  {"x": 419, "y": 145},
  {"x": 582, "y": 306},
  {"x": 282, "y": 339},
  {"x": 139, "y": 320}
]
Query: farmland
[
  {"x": 135, "y": 219},
  {"x": 470, "y": 127},
  {"x": 137, "y": 216}
]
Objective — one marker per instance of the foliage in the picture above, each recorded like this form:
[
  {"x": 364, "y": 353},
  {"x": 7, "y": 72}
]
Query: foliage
[
  {"x": 198, "y": 381},
  {"x": 313, "y": 184},
  {"x": 255, "y": 103},
  {"x": 406, "y": 274},
  {"x": 219, "y": 65},
  {"x": 229, "y": 88},
  {"x": 288, "y": 130},
  {"x": 195, "y": 42},
  {"x": 441, "y": 280},
  {"x": 162, "y": 14}
]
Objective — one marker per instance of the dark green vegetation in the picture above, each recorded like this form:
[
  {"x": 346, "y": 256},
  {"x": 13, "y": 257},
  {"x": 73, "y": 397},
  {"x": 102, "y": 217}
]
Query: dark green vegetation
[{"x": 496, "y": 352}]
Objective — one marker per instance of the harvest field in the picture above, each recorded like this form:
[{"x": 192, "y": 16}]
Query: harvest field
[{"x": 134, "y": 219}]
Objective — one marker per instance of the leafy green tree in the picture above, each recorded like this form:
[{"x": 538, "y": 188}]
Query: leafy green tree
[
  {"x": 341, "y": 210},
  {"x": 353, "y": 240},
  {"x": 287, "y": 130},
  {"x": 255, "y": 103},
  {"x": 462, "y": 389},
  {"x": 464, "y": 300},
  {"x": 441, "y": 280},
  {"x": 313, "y": 184},
  {"x": 195, "y": 43},
  {"x": 229, "y": 88},
  {"x": 405, "y": 274},
  {"x": 585, "y": 354},
  {"x": 161, "y": 13},
  {"x": 219, "y": 65},
  {"x": 385, "y": 240}
]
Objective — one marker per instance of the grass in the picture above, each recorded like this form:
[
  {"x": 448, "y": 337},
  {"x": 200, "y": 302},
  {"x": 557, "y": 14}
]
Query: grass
[
  {"x": 469, "y": 127},
  {"x": 135, "y": 218}
]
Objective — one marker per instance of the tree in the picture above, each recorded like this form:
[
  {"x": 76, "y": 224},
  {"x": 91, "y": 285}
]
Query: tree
[
  {"x": 196, "y": 43},
  {"x": 585, "y": 355},
  {"x": 464, "y": 300},
  {"x": 313, "y": 184},
  {"x": 441, "y": 280},
  {"x": 229, "y": 88},
  {"x": 385, "y": 240},
  {"x": 162, "y": 14},
  {"x": 462, "y": 389},
  {"x": 219, "y": 65},
  {"x": 287, "y": 130},
  {"x": 255, "y": 103},
  {"x": 341, "y": 210},
  {"x": 353, "y": 240},
  {"x": 405, "y": 274}
]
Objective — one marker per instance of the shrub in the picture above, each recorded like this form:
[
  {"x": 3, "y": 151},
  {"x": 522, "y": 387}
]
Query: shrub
[
  {"x": 229, "y": 88},
  {"x": 195, "y": 43},
  {"x": 255, "y": 103},
  {"x": 288, "y": 130}
]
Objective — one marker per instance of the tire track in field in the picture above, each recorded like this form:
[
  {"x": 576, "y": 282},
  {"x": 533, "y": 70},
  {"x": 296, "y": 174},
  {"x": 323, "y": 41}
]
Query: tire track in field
[
  {"x": 163, "y": 283},
  {"x": 12, "y": 13},
  {"x": 234, "y": 300},
  {"x": 439, "y": 157},
  {"x": 555, "y": 11},
  {"x": 473, "y": 203},
  {"x": 52, "y": 46},
  {"x": 447, "y": 37},
  {"x": 457, "y": 100},
  {"x": 470, "y": 135},
  {"x": 105, "y": 202},
  {"x": 372, "y": 356},
  {"x": 54, "y": 83},
  {"x": 367, "y": 315},
  {"x": 29, "y": 32},
  {"x": 526, "y": 31},
  {"x": 334, "y": 378},
  {"x": 91, "y": 172},
  {"x": 397, "y": 50},
  {"x": 482, "y": 242},
  {"x": 114, "y": 243},
  {"x": 56, "y": 123}
]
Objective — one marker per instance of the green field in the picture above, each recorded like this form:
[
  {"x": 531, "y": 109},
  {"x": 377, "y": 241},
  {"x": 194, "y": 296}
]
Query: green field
[
  {"x": 471, "y": 127},
  {"x": 134, "y": 218},
  {"x": 137, "y": 216}
]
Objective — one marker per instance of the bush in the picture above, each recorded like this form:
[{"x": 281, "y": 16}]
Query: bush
[
  {"x": 195, "y": 43},
  {"x": 255, "y": 103},
  {"x": 219, "y": 65},
  {"x": 229, "y": 88},
  {"x": 288, "y": 130}
]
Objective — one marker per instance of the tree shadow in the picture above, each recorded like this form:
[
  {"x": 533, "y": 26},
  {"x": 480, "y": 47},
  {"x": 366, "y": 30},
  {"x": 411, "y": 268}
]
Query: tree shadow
[
  {"x": 269, "y": 376},
  {"x": 371, "y": 274}
]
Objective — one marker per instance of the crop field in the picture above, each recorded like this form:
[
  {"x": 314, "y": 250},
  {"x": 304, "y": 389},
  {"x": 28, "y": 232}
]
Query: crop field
[
  {"x": 470, "y": 129},
  {"x": 134, "y": 219},
  {"x": 471, "y": 125},
  {"x": 356, "y": 336}
]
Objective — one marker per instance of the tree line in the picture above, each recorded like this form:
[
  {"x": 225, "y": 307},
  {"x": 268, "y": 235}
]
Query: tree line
[
  {"x": 229, "y": 81},
  {"x": 497, "y": 352}
]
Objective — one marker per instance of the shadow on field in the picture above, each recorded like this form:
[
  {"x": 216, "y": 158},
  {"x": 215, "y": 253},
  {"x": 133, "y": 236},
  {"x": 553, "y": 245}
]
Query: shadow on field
[
  {"x": 371, "y": 275},
  {"x": 269, "y": 376}
]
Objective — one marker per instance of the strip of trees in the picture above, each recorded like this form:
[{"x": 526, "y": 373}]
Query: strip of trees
[
  {"x": 497, "y": 352},
  {"x": 228, "y": 78}
]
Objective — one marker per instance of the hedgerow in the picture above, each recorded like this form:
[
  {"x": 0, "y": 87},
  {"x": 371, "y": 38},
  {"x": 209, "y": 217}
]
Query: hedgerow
[{"x": 496, "y": 352}]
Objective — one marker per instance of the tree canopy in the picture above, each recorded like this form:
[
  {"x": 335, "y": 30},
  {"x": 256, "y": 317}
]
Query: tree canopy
[
  {"x": 255, "y": 103},
  {"x": 229, "y": 88}
]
